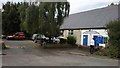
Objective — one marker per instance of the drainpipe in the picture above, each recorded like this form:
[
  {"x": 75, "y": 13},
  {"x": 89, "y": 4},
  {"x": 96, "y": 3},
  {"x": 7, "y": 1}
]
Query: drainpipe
[{"x": 90, "y": 38}]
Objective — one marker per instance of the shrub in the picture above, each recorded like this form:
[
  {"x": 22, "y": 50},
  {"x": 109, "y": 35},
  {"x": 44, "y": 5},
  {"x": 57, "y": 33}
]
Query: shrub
[
  {"x": 114, "y": 38},
  {"x": 3, "y": 45},
  {"x": 71, "y": 40},
  {"x": 97, "y": 48},
  {"x": 62, "y": 40},
  {"x": 100, "y": 52}
]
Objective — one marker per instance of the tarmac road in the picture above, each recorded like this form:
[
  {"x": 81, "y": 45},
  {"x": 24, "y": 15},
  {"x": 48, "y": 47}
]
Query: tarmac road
[{"x": 27, "y": 53}]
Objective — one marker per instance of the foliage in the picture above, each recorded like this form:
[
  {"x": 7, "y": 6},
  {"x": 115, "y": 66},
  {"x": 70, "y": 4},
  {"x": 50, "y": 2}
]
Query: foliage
[
  {"x": 10, "y": 18},
  {"x": 51, "y": 17},
  {"x": 113, "y": 50},
  {"x": 71, "y": 40},
  {"x": 62, "y": 40},
  {"x": 114, "y": 38},
  {"x": 31, "y": 19},
  {"x": 22, "y": 10},
  {"x": 45, "y": 18},
  {"x": 3, "y": 45},
  {"x": 98, "y": 48},
  {"x": 106, "y": 52}
]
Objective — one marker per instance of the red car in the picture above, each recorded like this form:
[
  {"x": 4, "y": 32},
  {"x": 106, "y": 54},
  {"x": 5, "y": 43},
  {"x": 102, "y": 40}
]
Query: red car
[{"x": 17, "y": 36}]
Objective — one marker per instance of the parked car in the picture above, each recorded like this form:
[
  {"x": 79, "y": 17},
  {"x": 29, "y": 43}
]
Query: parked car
[
  {"x": 38, "y": 37},
  {"x": 34, "y": 36},
  {"x": 16, "y": 36},
  {"x": 56, "y": 40},
  {"x": 3, "y": 36},
  {"x": 49, "y": 39}
]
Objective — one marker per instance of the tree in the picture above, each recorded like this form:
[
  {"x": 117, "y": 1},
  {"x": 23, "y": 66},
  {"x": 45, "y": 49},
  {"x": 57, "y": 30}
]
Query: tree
[
  {"x": 51, "y": 17},
  {"x": 114, "y": 38},
  {"x": 112, "y": 4},
  {"x": 0, "y": 21},
  {"x": 10, "y": 18},
  {"x": 45, "y": 18},
  {"x": 31, "y": 19},
  {"x": 22, "y": 10}
]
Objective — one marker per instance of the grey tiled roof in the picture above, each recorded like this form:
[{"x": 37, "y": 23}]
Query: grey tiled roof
[{"x": 91, "y": 19}]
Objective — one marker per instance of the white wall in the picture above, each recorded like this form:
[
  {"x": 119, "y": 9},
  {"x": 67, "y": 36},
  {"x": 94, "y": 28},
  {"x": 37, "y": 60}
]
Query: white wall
[
  {"x": 65, "y": 34},
  {"x": 101, "y": 32},
  {"x": 76, "y": 34},
  {"x": 79, "y": 35}
]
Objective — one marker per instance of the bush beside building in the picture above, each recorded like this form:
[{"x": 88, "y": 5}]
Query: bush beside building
[
  {"x": 71, "y": 40},
  {"x": 114, "y": 38}
]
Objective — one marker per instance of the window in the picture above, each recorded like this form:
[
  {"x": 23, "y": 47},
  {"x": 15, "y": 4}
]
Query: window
[
  {"x": 61, "y": 32},
  {"x": 105, "y": 40},
  {"x": 70, "y": 32}
]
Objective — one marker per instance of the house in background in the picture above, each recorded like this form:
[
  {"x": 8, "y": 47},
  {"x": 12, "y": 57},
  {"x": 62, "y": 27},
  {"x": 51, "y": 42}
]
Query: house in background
[{"x": 89, "y": 27}]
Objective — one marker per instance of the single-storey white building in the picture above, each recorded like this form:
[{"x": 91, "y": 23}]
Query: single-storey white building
[{"x": 89, "y": 27}]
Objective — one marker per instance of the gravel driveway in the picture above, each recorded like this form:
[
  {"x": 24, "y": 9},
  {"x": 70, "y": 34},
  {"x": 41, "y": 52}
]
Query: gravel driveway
[{"x": 27, "y": 53}]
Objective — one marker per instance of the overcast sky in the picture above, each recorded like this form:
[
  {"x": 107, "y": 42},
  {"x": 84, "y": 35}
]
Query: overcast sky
[{"x": 80, "y": 5}]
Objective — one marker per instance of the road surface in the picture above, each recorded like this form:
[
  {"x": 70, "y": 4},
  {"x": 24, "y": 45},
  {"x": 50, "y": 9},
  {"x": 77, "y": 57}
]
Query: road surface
[{"x": 27, "y": 53}]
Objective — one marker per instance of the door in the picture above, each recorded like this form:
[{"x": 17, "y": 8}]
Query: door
[
  {"x": 85, "y": 40},
  {"x": 96, "y": 40},
  {"x": 101, "y": 40}
]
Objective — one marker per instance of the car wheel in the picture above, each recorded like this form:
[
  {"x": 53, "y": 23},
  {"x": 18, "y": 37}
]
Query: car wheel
[
  {"x": 43, "y": 44},
  {"x": 35, "y": 41},
  {"x": 7, "y": 38}
]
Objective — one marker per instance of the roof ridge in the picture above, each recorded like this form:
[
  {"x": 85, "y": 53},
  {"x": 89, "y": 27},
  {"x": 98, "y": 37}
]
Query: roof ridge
[{"x": 93, "y": 9}]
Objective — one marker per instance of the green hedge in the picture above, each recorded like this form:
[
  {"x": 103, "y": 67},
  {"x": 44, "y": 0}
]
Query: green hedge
[
  {"x": 71, "y": 40},
  {"x": 63, "y": 41},
  {"x": 114, "y": 38}
]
